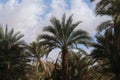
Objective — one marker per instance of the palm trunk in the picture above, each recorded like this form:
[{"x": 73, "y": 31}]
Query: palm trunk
[
  {"x": 117, "y": 52},
  {"x": 117, "y": 76},
  {"x": 64, "y": 63},
  {"x": 117, "y": 44}
]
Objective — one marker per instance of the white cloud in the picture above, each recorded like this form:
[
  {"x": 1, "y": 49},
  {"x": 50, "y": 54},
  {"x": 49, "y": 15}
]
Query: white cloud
[
  {"x": 82, "y": 12},
  {"x": 24, "y": 16},
  {"x": 58, "y": 7},
  {"x": 27, "y": 16}
]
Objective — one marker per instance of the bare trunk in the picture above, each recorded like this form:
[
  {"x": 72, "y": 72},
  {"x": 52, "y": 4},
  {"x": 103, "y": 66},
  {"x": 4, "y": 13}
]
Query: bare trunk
[{"x": 64, "y": 63}]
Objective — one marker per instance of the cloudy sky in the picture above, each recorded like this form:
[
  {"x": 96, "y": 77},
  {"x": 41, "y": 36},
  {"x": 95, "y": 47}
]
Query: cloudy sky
[{"x": 30, "y": 16}]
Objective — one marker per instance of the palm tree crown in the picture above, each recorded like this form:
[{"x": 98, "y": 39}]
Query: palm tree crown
[{"x": 64, "y": 34}]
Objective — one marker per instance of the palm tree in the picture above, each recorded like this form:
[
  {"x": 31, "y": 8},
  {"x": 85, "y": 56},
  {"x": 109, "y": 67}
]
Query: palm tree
[
  {"x": 111, "y": 8},
  {"x": 62, "y": 35},
  {"x": 12, "y": 54},
  {"x": 96, "y": 72},
  {"x": 103, "y": 53},
  {"x": 38, "y": 51},
  {"x": 79, "y": 64}
]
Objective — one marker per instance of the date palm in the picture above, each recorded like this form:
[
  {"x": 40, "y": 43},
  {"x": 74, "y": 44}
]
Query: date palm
[
  {"x": 78, "y": 65},
  {"x": 12, "y": 55},
  {"x": 38, "y": 51},
  {"x": 107, "y": 7},
  {"x": 111, "y": 8},
  {"x": 103, "y": 53},
  {"x": 62, "y": 35}
]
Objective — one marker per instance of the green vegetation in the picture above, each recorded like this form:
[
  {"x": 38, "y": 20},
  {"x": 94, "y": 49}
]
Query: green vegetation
[{"x": 73, "y": 62}]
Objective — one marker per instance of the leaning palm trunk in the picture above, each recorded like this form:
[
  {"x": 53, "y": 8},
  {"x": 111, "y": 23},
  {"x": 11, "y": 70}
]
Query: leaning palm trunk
[{"x": 64, "y": 63}]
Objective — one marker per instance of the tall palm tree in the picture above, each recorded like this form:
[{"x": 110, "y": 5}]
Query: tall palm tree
[
  {"x": 62, "y": 35},
  {"x": 111, "y": 8},
  {"x": 12, "y": 54}
]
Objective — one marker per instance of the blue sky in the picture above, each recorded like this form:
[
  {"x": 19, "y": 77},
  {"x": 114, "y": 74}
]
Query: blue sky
[{"x": 3, "y": 1}]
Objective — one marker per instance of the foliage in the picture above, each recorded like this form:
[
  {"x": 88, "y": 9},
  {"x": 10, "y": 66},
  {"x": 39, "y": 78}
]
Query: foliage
[{"x": 12, "y": 55}]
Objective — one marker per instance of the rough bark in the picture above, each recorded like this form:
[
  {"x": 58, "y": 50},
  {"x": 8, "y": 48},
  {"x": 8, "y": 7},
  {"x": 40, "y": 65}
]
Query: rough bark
[{"x": 64, "y": 63}]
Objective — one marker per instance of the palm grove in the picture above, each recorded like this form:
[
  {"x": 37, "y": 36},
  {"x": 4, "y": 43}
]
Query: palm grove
[{"x": 73, "y": 62}]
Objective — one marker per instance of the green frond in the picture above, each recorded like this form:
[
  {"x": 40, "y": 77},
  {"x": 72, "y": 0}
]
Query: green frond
[
  {"x": 63, "y": 20},
  {"x": 39, "y": 50},
  {"x": 50, "y": 29},
  {"x": 69, "y": 22},
  {"x": 107, "y": 7},
  {"x": 105, "y": 25},
  {"x": 50, "y": 44},
  {"x": 10, "y": 33},
  {"x": 57, "y": 27},
  {"x": 78, "y": 35},
  {"x": 49, "y": 38},
  {"x": 71, "y": 29},
  {"x": 19, "y": 37},
  {"x": 100, "y": 39},
  {"x": 15, "y": 35}
]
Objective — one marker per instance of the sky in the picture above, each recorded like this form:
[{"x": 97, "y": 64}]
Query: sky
[{"x": 31, "y": 16}]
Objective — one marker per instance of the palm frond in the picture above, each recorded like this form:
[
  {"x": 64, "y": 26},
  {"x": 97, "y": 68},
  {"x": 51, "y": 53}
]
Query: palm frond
[
  {"x": 57, "y": 26},
  {"x": 49, "y": 38},
  {"x": 105, "y": 25},
  {"x": 63, "y": 20},
  {"x": 50, "y": 29}
]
